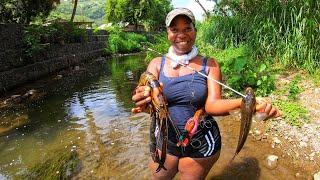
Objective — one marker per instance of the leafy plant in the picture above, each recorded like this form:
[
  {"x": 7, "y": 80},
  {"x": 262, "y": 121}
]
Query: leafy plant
[
  {"x": 37, "y": 36},
  {"x": 293, "y": 112},
  {"x": 32, "y": 40},
  {"x": 240, "y": 71},
  {"x": 121, "y": 42},
  {"x": 294, "y": 88},
  {"x": 23, "y": 12},
  {"x": 159, "y": 43}
]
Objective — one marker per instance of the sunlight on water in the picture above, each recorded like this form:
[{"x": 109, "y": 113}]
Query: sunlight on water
[{"x": 93, "y": 118}]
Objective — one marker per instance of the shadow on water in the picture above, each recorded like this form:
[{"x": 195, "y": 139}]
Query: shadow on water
[{"x": 248, "y": 168}]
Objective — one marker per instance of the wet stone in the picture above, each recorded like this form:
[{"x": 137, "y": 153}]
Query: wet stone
[
  {"x": 272, "y": 161},
  {"x": 316, "y": 176}
]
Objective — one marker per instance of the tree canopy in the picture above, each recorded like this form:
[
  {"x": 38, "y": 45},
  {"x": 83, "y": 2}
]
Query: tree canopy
[
  {"x": 23, "y": 11},
  {"x": 151, "y": 13},
  {"x": 92, "y": 10}
]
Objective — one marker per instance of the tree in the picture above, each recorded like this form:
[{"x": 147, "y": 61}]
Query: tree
[
  {"x": 23, "y": 11},
  {"x": 150, "y": 12},
  {"x": 75, "y": 3}
]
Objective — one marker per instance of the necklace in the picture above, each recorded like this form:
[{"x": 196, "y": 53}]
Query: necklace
[{"x": 184, "y": 59}]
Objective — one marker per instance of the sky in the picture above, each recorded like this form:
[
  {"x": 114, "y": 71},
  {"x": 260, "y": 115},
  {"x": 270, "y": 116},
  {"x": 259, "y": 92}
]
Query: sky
[{"x": 194, "y": 6}]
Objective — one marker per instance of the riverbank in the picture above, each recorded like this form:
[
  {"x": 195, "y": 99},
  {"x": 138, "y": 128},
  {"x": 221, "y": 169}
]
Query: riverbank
[{"x": 300, "y": 144}]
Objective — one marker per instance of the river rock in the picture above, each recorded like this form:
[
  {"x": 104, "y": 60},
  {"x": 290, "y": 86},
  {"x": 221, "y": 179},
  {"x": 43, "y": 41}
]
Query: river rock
[
  {"x": 275, "y": 142},
  {"x": 257, "y": 132},
  {"x": 272, "y": 161},
  {"x": 59, "y": 76},
  {"x": 303, "y": 144},
  {"x": 316, "y": 176}
]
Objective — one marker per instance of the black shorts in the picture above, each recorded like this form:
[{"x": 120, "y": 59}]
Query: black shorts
[{"x": 205, "y": 143}]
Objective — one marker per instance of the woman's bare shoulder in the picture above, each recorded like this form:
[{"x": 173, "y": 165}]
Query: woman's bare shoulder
[
  {"x": 212, "y": 62},
  {"x": 155, "y": 61},
  {"x": 154, "y": 65}
]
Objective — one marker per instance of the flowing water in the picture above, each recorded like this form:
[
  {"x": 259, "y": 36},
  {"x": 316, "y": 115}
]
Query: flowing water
[{"x": 93, "y": 119}]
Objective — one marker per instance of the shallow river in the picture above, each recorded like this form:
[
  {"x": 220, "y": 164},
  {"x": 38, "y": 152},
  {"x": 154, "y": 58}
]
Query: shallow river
[{"x": 93, "y": 119}]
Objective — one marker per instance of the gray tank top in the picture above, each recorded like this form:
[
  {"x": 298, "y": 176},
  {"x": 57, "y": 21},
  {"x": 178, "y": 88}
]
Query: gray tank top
[{"x": 184, "y": 94}]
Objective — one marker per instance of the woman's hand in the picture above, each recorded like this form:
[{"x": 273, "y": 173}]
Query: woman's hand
[
  {"x": 141, "y": 96},
  {"x": 266, "y": 110}
]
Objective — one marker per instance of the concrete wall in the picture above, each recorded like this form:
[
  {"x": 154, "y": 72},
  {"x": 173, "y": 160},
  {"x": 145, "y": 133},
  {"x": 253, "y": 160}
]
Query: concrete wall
[{"x": 14, "y": 70}]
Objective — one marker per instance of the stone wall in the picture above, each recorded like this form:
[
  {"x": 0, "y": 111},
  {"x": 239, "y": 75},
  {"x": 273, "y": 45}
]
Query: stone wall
[
  {"x": 14, "y": 70},
  {"x": 10, "y": 46}
]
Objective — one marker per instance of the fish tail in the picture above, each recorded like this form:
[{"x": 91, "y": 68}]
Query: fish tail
[{"x": 161, "y": 166}]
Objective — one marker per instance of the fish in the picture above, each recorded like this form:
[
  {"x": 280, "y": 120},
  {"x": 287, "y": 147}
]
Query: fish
[
  {"x": 247, "y": 110},
  {"x": 159, "y": 116}
]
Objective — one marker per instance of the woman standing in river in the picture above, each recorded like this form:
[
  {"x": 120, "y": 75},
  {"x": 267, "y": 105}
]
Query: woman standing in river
[{"x": 186, "y": 92}]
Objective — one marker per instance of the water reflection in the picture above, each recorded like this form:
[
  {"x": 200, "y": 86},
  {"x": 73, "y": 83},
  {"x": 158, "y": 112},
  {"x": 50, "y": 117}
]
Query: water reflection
[{"x": 92, "y": 116}]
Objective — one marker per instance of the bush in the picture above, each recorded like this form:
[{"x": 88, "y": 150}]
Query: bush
[
  {"x": 37, "y": 36},
  {"x": 242, "y": 71},
  {"x": 121, "y": 42},
  {"x": 159, "y": 44}
]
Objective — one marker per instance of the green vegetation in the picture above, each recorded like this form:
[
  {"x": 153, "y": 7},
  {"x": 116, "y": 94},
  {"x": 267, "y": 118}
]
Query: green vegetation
[
  {"x": 150, "y": 13},
  {"x": 23, "y": 12},
  {"x": 294, "y": 88},
  {"x": 286, "y": 31},
  {"x": 36, "y": 37},
  {"x": 293, "y": 112},
  {"x": 240, "y": 70},
  {"x": 158, "y": 43},
  {"x": 121, "y": 42},
  {"x": 92, "y": 10},
  {"x": 315, "y": 77},
  {"x": 62, "y": 164}
]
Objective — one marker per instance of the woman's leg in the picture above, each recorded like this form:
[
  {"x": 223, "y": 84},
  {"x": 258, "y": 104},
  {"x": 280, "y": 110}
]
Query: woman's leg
[
  {"x": 196, "y": 168},
  {"x": 171, "y": 164}
]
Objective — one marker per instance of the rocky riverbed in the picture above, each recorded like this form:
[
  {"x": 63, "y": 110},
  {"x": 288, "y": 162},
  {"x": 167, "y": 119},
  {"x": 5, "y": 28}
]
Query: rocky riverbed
[{"x": 301, "y": 144}]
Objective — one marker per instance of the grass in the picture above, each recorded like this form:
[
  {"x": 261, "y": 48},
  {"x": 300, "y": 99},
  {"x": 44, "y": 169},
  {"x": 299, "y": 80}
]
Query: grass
[
  {"x": 293, "y": 112},
  {"x": 284, "y": 31},
  {"x": 61, "y": 164}
]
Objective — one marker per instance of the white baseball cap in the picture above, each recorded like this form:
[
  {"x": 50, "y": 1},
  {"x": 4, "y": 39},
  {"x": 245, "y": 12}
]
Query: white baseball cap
[{"x": 179, "y": 11}]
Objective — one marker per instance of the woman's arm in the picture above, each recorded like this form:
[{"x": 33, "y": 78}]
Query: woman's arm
[
  {"x": 214, "y": 104},
  {"x": 217, "y": 106}
]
